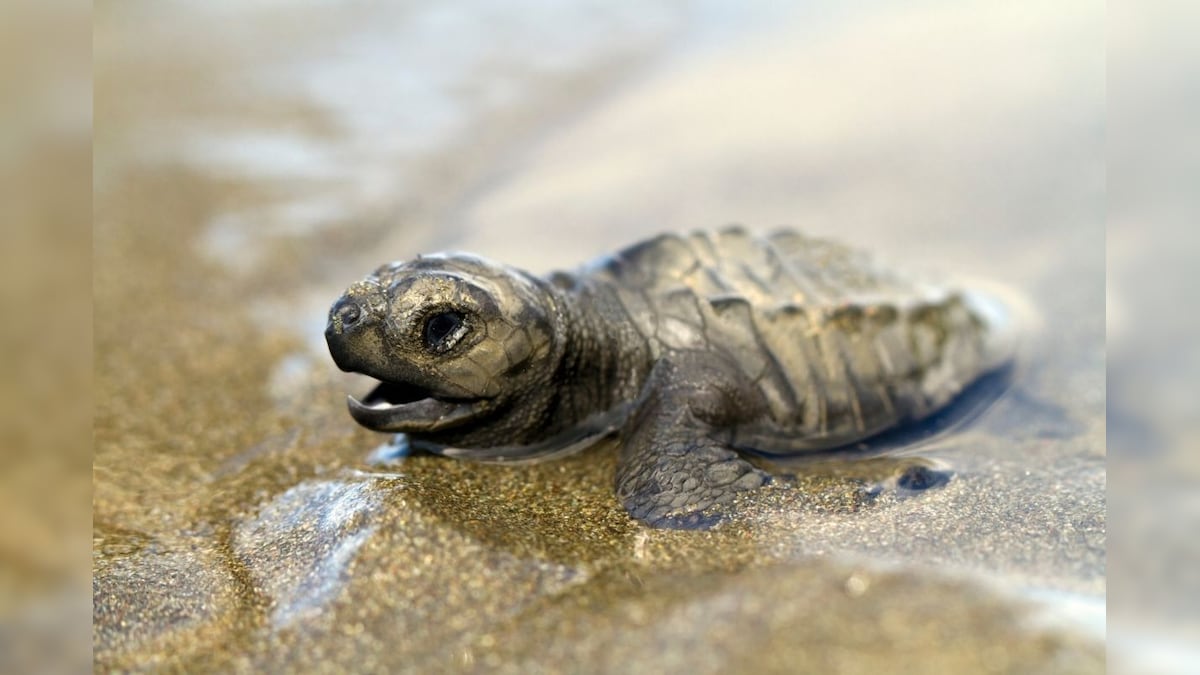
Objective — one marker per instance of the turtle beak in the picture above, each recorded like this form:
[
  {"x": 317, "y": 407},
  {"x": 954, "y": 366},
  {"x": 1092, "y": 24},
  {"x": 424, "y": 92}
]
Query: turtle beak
[{"x": 394, "y": 406}]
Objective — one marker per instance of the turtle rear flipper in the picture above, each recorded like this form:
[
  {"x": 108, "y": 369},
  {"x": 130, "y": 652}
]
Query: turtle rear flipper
[{"x": 674, "y": 469}]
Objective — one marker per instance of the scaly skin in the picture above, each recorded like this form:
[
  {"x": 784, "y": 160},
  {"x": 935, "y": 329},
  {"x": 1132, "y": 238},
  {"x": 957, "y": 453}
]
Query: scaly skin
[{"x": 695, "y": 349}]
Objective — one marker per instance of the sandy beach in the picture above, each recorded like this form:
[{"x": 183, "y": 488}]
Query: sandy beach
[{"x": 254, "y": 159}]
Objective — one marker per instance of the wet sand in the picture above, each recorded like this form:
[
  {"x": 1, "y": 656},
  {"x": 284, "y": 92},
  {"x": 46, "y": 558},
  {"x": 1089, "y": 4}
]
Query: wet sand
[{"x": 241, "y": 519}]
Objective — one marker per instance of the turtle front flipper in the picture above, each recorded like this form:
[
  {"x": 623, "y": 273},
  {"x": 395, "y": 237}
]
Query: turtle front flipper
[{"x": 676, "y": 467}]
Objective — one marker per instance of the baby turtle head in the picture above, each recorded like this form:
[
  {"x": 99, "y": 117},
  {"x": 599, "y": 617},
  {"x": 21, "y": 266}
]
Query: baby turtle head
[{"x": 455, "y": 340}]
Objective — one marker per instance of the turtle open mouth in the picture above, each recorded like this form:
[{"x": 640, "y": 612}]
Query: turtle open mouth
[{"x": 407, "y": 407}]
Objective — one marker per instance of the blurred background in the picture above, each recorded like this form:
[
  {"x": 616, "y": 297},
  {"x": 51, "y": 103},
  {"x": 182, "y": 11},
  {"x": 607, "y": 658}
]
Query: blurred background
[
  {"x": 45, "y": 338},
  {"x": 1153, "y": 360},
  {"x": 250, "y": 159}
]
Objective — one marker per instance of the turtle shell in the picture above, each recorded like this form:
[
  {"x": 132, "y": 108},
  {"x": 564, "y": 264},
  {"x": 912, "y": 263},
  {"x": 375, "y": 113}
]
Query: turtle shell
[{"x": 840, "y": 347}]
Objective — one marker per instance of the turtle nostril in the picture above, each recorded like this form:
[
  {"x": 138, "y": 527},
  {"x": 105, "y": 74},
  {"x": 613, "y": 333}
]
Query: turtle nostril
[{"x": 347, "y": 314}]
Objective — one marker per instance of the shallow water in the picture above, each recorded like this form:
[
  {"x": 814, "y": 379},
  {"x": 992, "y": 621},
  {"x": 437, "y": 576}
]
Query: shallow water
[{"x": 253, "y": 159}]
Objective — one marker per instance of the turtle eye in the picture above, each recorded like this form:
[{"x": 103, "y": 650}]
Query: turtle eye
[{"x": 443, "y": 330}]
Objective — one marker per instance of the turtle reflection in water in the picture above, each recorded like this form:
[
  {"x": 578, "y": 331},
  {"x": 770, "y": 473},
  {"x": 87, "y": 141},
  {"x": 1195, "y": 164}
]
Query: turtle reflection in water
[{"x": 695, "y": 349}]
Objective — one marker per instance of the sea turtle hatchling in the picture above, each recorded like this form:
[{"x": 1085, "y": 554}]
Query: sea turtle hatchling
[{"x": 695, "y": 348}]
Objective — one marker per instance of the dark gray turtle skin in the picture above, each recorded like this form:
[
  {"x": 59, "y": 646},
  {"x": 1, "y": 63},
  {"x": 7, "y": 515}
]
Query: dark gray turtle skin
[{"x": 696, "y": 349}]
